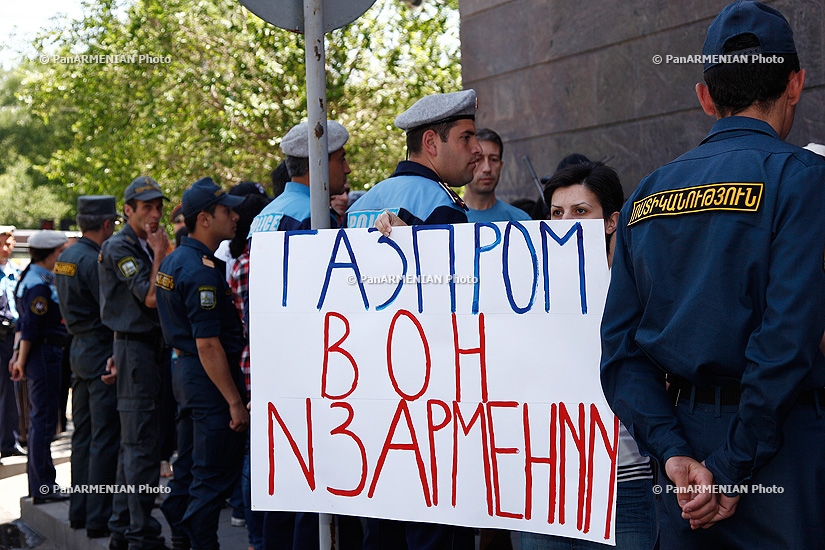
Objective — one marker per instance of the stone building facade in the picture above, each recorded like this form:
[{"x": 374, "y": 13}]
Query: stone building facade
[{"x": 556, "y": 77}]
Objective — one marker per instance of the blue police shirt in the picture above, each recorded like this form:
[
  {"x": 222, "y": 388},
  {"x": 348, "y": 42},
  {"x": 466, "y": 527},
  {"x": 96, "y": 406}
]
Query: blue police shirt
[
  {"x": 499, "y": 212},
  {"x": 289, "y": 211},
  {"x": 718, "y": 278},
  {"x": 415, "y": 194},
  {"x": 37, "y": 304},
  {"x": 8, "y": 280},
  {"x": 194, "y": 300}
]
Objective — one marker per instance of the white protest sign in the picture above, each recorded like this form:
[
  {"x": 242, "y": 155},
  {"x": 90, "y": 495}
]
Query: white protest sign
[{"x": 449, "y": 374}]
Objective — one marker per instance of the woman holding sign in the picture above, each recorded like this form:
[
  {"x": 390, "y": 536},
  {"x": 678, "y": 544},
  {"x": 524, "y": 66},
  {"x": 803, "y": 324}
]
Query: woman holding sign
[{"x": 591, "y": 190}]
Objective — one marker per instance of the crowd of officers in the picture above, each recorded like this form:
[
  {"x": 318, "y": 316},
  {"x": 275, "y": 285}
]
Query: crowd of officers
[{"x": 131, "y": 304}]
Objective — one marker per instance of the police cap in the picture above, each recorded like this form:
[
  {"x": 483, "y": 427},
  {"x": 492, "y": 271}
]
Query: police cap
[
  {"x": 747, "y": 17},
  {"x": 296, "y": 141},
  {"x": 97, "y": 205},
  {"x": 143, "y": 188},
  {"x": 47, "y": 239},
  {"x": 204, "y": 193},
  {"x": 438, "y": 108}
]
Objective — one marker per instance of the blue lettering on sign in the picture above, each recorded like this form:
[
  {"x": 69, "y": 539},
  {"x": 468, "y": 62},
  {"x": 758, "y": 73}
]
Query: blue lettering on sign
[
  {"x": 479, "y": 249},
  {"x": 366, "y": 218},
  {"x": 390, "y": 242},
  {"x": 506, "y": 267},
  {"x": 340, "y": 237},
  {"x": 577, "y": 229},
  {"x": 287, "y": 235},
  {"x": 451, "y": 252}
]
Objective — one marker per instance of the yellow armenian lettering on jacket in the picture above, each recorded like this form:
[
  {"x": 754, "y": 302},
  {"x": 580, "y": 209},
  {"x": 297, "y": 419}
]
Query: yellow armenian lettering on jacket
[
  {"x": 65, "y": 268},
  {"x": 740, "y": 197},
  {"x": 164, "y": 281}
]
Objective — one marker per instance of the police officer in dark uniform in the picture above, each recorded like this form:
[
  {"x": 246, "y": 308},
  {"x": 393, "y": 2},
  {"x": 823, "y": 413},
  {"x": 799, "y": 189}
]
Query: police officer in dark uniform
[
  {"x": 717, "y": 290},
  {"x": 38, "y": 353},
  {"x": 96, "y": 436},
  {"x": 199, "y": 320},
  {"x": 128, "y": 265},
  {"x": 443, "y": 152}
]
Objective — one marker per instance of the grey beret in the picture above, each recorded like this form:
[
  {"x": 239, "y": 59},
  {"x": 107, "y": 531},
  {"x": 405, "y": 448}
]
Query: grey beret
[
  {"x": 97, "y": 205},
  {"x": 7, "y": 229},
  {"x": 437, "y": 108},
  {"x": 47, "y": 239},
  {"x": 296, "y": 141}
]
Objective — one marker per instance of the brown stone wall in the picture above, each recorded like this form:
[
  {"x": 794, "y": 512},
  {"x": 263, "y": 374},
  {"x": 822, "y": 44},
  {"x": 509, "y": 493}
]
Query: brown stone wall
[{"x": 559, "y": 76}]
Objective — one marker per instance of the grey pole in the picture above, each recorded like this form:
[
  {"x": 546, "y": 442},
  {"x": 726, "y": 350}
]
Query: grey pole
[
  {"x": 317, "y": 118},
  {"x": 318, "y": 155}
]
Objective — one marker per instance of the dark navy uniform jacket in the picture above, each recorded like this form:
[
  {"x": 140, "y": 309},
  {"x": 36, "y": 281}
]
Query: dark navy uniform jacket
[
  {"x": 194, "y": 300},
  {"x": 718, "y": 278},
  {"x": 124, "y": 270},
  {"x": 37, "y": 304},
  {"x": 415, "y": 194},
  {"x": 289, "y": 211},
  {"x": 78, "y": 287}
]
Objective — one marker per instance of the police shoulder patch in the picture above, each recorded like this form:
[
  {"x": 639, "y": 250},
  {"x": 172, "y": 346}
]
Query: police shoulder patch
[
  {"x": 65, "y": 268},
  {"x": 208, "y": 297},
  {"x": 128, "y": 267},
  {"x": 164, "y": 281},
  {"x": 39, "y": 306},
  {"x": 738, "y": 196}
]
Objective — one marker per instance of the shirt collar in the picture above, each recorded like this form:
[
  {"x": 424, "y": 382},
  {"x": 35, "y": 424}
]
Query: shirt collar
[
  {"x": 733, "y": 126},
  {"x": 295, "y": 187},
  {"x": 412, "y": 168},
  {"x": 198, "y": 246}
]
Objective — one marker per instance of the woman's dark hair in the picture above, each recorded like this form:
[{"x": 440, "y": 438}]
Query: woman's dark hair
[
  {"x": 36, "y": 255},
  {"x": 247, "y": 210},
  {"x": 601, "y": 180}
]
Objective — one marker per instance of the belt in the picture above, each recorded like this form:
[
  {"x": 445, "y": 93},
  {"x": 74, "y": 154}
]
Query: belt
[
  {"x": 52, "y": 340},
  {"x": 679, "y": 388},
  {"x": 181, "y": 353},
  {"x": 149, "y": 337},
  {"x": 6, "y": 328}
]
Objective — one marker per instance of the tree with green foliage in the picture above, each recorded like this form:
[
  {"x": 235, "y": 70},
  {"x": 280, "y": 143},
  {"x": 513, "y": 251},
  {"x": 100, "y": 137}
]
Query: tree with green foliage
[{"x": 218, "y": 87}]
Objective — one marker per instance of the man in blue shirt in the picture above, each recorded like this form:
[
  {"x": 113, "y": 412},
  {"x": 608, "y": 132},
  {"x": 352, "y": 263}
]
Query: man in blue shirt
[
  {"x": 480, "y": 194},
  {"x": 198, "y": 317},
  {"x": 9, "y": 418},
  {"x": 711, "y": 331},
  {"x": 443, "y": 152}
]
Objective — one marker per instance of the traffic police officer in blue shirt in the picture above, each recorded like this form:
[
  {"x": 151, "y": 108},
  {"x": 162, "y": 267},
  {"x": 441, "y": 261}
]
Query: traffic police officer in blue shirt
[
  {"x": 199, "y": 320},
  {"x": 96, "y": 436},
  {"x": 291, "y": 209},
  {"x": 38, "y": 354},
  {"x": 443, "y": 152},
  {"x": 717, "y": 289}
]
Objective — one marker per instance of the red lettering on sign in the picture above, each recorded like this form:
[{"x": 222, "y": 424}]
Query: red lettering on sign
[
  {"x": 612, "y": 453},
  {"x": 342, "y": 430},
  {"x": 308, "y": 465},
  {"x": 336, "y": 348},
  {"x": 389, "y": 445},
  {"x": 530, "y": 459},
  {"x": 481, "y": 351},
  {"x": 578, "y": 441},
  {"x": 495, "y": 451},
  {"x": 427, "y": 360},
  {"x": 478, "y": 415},
  {"x": 432, "y": 427}
]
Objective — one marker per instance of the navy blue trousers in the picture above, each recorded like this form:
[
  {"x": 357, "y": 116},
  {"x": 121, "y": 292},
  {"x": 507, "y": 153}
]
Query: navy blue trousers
[
  {"x": 790, "y": 519},
  {"x": 210, "y": 455},
  {"x": 9, "y": 420},
  {"x": 43, "y": 376}
]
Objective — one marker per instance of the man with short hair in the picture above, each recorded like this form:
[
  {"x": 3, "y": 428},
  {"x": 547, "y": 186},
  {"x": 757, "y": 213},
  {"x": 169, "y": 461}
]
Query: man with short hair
[
  {"x": 480, "y": 194},
  {"x": 96, "y": 436},
  {"x": 199, "y": 320},
  {"x": 711, "y": 331},
  {"x": 443, "y": 152},
  {"x": 9, "y": 276},
  {"x": 129, "y": 263},
  {"x": 291, "y": 209}
]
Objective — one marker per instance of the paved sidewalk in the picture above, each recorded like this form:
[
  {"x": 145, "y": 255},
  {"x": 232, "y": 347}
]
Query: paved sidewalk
[{"x": 51, "y": 521}]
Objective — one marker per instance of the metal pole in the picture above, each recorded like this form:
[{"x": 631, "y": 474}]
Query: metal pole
[
  {"x": 317, "y": 113},
  {"x": 318, "y": 156}
]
